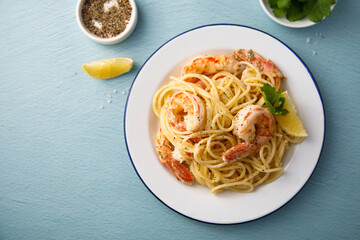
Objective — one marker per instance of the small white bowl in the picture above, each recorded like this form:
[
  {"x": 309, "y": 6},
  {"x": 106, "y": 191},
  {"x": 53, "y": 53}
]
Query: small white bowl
[
  {"x": 302, "y": 23},
  {"x": 113, "y": 40}
]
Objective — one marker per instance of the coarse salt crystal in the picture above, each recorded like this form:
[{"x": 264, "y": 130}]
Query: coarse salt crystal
[
  {"x": 109, "y": 4},
  {"x": 97, "y": 24},
  {"x": 313, "y": 53},
  {"x": 308, "y": 40}
]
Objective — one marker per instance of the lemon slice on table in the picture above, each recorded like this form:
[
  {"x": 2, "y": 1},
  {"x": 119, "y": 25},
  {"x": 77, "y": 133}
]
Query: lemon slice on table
[
  {"x": 291, "y": 122},
  {"x": 108, "y": 68}
]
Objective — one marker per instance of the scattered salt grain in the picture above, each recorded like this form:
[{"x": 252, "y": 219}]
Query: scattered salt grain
[
  {"x": 115, "y": 91},
  {"x": 123, "y": 93},
  {"x": 102, "y": 107},
  {"x": 313, "y": 53},
  {"x": 308, "y": 40},
  {"x": 316, "y": 43},
  {"x": 109, "y": 101}
]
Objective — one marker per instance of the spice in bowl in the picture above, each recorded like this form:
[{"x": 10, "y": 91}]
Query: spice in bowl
[{"x": 106, "y": 18}]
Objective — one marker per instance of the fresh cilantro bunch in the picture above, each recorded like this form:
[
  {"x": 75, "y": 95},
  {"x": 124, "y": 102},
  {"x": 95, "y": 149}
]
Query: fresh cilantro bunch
[
  {"x": 295, "y": 10},
  {"x": 273, "y": 100}
]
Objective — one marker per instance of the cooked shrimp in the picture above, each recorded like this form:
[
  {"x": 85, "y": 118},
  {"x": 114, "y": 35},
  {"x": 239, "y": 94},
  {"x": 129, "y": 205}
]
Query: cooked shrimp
[
  {"x": 186, "y": 112},
  {"x": 254, "y": 125},
  {"x": 210, "y": 65},
  {"x": 260, "y": 62},
  {"x": 166, "y": 157}
]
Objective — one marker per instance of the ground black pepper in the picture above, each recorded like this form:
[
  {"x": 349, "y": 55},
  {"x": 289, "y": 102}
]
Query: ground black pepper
[{"x": 106, "y": 22}]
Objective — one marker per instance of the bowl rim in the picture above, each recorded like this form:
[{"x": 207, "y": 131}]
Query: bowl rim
[
  {"x": 113, "y": 40},
  {"x": 302, "y": 23}
]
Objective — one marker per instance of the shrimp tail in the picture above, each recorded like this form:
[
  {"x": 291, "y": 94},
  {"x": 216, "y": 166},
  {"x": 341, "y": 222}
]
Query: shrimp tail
[{"x": 180, "y": 171}]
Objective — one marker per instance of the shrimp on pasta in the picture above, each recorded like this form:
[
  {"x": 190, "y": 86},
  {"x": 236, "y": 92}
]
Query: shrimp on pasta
[
  {"x": 209, "y": 65},
  {"x": 215, "y": 127},
  {"x": 185, "y": 111},
  {"x": 254, "y": 125},
  {"x": 258, "y": 61},
  {"x": 166, "y": 157}
]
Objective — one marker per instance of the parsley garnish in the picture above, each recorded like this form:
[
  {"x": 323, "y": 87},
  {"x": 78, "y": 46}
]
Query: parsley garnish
[
  {"x": 273, "y": 100},
  {"x": 294, "y": 10}
]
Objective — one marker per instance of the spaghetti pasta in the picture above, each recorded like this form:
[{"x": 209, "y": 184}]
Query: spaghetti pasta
[{"x": 195, "y": 150}]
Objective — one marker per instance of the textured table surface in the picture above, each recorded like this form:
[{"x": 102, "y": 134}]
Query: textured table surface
[{"x": 64, "y": 169}]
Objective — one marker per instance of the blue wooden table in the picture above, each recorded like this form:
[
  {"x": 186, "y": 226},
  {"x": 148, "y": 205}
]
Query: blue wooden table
[{"x": 64, "y": 169}]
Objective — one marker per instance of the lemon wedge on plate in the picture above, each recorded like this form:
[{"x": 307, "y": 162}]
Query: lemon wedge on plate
[
  {"x": 108, "y": 68},
  {"x": 291, "y": 122}
]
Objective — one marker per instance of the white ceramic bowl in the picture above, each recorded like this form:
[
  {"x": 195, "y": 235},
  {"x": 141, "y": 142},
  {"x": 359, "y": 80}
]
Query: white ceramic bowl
[
  {"x": 302, "y": 23},
  {"x": 113, "y": 40}
]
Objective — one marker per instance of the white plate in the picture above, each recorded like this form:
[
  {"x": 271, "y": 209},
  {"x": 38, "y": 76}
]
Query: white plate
[{"x": 196, "y": 201}]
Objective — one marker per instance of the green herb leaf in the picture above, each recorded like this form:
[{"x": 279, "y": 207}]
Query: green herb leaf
[
  {"x": 295, "y": 12},
  {"x": 278, "y": 12},
  {"x": 283, "y": 4},
  {"x": 273, "y": 3},
  {"x": 273, "y": 100},
  {"x": 318, "y": 9}
]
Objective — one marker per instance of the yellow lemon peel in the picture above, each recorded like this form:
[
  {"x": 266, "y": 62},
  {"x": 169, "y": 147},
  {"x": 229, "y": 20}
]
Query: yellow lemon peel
[
  {"x": 108, "y": 68},
  {"x": 291, "y": 122}
]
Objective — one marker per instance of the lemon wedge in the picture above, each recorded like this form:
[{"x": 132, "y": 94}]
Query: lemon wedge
[
  {"x": 108, "y": 68},
  {"x": 291, "y": 122}
]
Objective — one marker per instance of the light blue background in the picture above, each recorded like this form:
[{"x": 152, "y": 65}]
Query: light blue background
[{"x": 64, "y": 168}]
